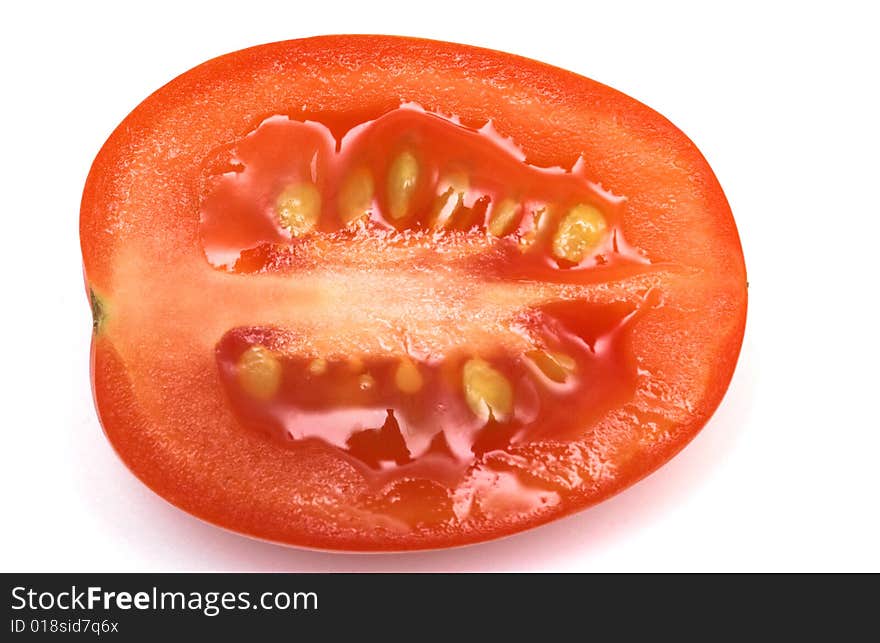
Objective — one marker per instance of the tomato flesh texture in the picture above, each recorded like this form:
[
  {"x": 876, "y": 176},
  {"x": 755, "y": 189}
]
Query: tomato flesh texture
[{"x": 572, "y": 364}]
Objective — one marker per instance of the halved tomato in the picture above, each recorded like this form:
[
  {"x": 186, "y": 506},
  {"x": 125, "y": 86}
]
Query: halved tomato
[{"x": 375, "y": 293}]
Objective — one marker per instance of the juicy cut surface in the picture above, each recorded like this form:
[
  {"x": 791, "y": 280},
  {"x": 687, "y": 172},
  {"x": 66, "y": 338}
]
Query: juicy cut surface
[{"x": 328, "y": 317}]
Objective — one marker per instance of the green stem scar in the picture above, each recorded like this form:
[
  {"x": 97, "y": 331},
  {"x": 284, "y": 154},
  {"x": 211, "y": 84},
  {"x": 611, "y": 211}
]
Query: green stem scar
[{"x": 99, "y": 311}]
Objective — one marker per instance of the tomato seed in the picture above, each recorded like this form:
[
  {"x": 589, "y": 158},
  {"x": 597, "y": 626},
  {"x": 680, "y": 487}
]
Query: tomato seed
[
  {"x": 579, "y": 232},
  {"x": 556, "y": 366},
  {"x": 299, "y": 207},
  {"x": 318, "y": 366},
  {"x": 486, "y": 390},
  {"x": 356, "y": 195},
  {"x": 402, "y": 179},
  {"x": 503, "y": 217},
  {"x": 407, "y": 377},
  {"x": 259, "y": 372}
]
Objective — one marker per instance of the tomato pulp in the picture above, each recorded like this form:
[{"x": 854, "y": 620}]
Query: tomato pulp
[{"x": 375, "y": 293}]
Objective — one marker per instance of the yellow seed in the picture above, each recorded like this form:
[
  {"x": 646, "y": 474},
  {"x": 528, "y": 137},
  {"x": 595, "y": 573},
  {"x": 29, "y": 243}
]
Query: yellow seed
[
  {"x": 299, "y": 207},
  {"x": 556, "y": 366},
  {"x": 356, "y": 195},
  {"x": 579, "y": 232},
  {"x": 356, "y": 365},
  {"x": 487, "y": 391},
  {"x": 452, "y": 189},
  {"x": 407, "y": 377},
  {"x": 444, "y": 206},
  {"x": 259, "y": 372},
  {"x": 366, "y": 382},
  {"x": 503, "y": 217},
  {"x": 403, "y": 175},
  {"x": 565, "y": 361},
  {"x": 318, "y": 366}
]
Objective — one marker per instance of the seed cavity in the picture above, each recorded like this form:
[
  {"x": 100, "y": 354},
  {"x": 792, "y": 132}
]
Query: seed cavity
[
  {"x": 487, "y": 392},
  {"x": 407, "y": 377},
  {"x": 298, "y": 208},
  {"x": 556, "y": 366},
  {"x": 356, "y": 195},
  {"x": 579, "y": 233},
  {"x": 403, "y": 177},
  {"x": 503, "y": 217},
  {"x": 259, "y": 372}
]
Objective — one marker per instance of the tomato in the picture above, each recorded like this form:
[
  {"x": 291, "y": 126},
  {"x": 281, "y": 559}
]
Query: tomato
[{"x": 378, "y": 293}]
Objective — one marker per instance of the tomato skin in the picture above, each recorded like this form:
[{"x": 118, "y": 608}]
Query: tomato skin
[{"x": 141, "y": 193}]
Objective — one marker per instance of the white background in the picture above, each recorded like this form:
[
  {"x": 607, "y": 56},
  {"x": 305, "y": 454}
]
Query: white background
[{"x": 782, "y": 101}]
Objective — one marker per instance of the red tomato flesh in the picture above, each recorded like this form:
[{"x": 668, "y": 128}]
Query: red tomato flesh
[{"x": 389, "y": 322}]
